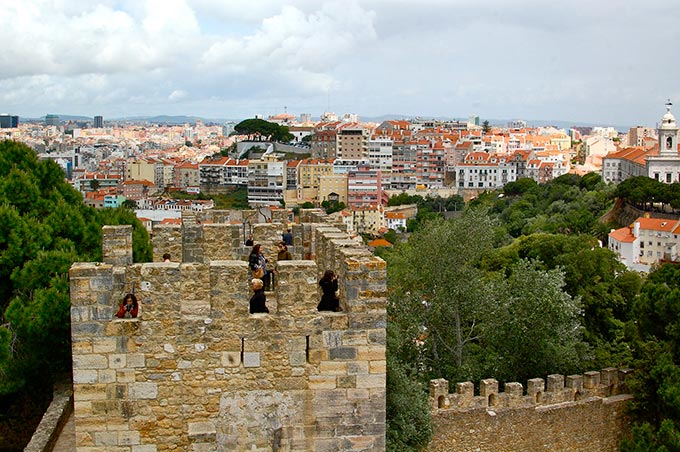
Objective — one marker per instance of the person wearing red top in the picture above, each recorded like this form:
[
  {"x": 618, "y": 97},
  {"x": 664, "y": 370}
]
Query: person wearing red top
[{"x": 128, "y": 308}]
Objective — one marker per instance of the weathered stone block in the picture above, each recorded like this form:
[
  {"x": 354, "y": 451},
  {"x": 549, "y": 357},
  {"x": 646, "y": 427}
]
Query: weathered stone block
[
  {"x": 231, "y": 359},
  {"x": 93, "y": 361},
  {"x": 143, "y": 390},
  {"x": 251, "y": 359}
]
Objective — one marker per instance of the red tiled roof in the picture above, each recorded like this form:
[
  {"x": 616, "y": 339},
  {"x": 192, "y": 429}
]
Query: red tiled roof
[{"x": 622, "y": 235}]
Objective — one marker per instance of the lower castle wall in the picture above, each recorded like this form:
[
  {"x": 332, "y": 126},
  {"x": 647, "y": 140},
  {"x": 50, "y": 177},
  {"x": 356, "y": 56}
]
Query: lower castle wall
[{"x": 594, "y": 424}]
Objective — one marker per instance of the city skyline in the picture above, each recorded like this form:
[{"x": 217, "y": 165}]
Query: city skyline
[{"x": 609, "y": 63}]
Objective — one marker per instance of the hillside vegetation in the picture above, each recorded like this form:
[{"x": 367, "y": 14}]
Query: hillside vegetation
[
  {"x": 44, "y": 228},
  {"x": 518, "y": 287}
]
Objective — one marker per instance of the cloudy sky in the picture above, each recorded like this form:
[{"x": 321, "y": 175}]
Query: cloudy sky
[{"x": 609, "y": 62}]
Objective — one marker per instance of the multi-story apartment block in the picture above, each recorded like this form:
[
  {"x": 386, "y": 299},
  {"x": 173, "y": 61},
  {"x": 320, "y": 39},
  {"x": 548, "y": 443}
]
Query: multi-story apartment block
[
  {"x": 164, "y": 173},
  {"x": 86, "y": 182},
  {"x": 637, "y": 136},
  {"x": 352, "y": 142},
  {"x": 223, "y": 172},
  {"x": 137, "y": 189},
  {"x": 266, "y": 181},
  {"x": 364, "y": 187},
  {"x": 140, "y": 169},
  {"x": 186, "y": 175},
  {"x": 404, "y": 156},
  {"x": 481, "y": 171},
  {"x": 380, "y": 151},
  {"x": 324, "y": 144},
  {"x": 333, "y": 187},
  {"x": 303, "y": 180},
  {"x": 367, "y": 220},
  {"x": 431, "y": 165},
  {"x": 646, "y": 242}
]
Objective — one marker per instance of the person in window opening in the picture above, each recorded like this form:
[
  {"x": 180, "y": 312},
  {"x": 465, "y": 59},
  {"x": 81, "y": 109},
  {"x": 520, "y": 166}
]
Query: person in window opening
[
  {"x": 250, "y": 242},
  {"x": 282, "y": 255},
  {"x": 329, "y": 286},
  {"x": 166, "y": 257},
  {"x": 258, "y": 302},
  {"x": 128, "y": 308},
  {"x": 256, "y": 260}
]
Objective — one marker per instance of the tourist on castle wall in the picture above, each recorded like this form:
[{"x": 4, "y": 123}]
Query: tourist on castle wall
[
  {"x": 128, "y": 308},
  {"x": 257, "y": 261},
  {"x": 166, "y": 257},
  {"x": 329, "y": 286},
  {"x": 283, "y": 253},
  {"x": 288, "y": 238},
  {"x": 258, "y": 302},
  {"x": 250, "y": 241}
]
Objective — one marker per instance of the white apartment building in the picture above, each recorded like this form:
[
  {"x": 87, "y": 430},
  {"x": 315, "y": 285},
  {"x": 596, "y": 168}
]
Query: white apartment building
[
  {"x": 485, "y": 171},
  {"x": 646, "y": 242},
  {"x": 266, "y": 181}
]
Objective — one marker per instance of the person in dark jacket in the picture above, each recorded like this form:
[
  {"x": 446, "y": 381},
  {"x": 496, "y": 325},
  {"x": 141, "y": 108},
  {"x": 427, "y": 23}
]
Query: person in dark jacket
[
  {"x": 258, "y": 302},
  {"x": 129, "y": 308},
  {"x": 256, "y": 260},
  {"x": 329, "y": 286}
]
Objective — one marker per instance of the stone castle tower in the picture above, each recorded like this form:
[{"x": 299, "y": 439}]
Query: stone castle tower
[{"x": 196, "y": 372}]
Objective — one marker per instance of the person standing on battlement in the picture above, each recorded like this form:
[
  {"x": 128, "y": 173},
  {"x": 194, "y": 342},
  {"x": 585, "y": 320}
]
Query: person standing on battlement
[
  {"x": 329, "y": 286},
  {"x": 288, "y": 238},
  {"x": 257, "y": 262},
  {"x": 258, "y": 302},
  {"x": 283, "y": 253},
  {"x": 166, "y": 257},
  {"x": 250, "y": 241}
]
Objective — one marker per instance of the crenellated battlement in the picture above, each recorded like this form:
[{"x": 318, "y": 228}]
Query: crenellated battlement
[
  {"x": 196, "y": 371},
  {"x": 556, "y": 389},
  {"x": 566, "y": 414}
]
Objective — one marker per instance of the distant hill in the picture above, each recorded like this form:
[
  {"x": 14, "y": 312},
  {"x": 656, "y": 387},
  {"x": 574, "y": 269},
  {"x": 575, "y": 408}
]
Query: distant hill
[
  {"x": 173, "y": 120},
  {"x": 184, "y": 119}
]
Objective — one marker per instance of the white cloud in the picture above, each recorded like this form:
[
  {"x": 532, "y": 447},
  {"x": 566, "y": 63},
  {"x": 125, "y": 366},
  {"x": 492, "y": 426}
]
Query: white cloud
[{"x": 611, "y": 60}]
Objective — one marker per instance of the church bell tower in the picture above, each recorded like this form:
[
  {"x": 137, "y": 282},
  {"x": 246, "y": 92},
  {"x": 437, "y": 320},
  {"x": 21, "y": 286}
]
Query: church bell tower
[{"x": 668, "y": 133}]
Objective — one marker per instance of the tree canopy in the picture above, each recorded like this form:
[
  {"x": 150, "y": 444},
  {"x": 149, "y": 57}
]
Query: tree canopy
[
  {"x": 44, "y": 228},
  {"x": 261, "y": 130}
]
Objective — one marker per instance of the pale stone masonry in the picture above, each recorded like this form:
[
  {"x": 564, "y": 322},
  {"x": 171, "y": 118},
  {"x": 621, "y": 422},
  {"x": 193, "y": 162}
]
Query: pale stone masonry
[
  {"x": 577, "y": 413},
  {"x": 196, "y": 372}
]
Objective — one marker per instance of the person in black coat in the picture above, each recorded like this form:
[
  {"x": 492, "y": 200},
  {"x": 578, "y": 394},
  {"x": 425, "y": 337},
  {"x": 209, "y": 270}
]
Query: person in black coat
[
  {"x": 258, "y": 302},
  {"x": 329, "y": 285}
]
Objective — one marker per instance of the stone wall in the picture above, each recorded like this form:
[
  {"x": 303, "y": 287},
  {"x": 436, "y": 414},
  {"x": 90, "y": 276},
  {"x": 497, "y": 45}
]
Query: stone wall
[
  {"x": 196, "y": 372},
  {"x": 580, "y": 413}
]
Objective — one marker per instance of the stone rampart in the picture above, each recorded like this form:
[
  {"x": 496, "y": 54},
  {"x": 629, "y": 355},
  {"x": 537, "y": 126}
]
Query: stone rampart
[
  {"x": 576, "y": 413},
  {"x": 196, "y": 372}
]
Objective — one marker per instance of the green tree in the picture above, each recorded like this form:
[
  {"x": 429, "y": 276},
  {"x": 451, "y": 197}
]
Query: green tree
[
  {"x": 486, "y": 128},
  {"x": 441, "y": 301},
  {"x": 537, "y": 329},
  {"x": 44, "y": 228},
  {"x": 409, "y": 425},
  {"x": 261, "y": 130},
  {"x": 656, "y": 345},
  {"x": 333, "y": 206}
]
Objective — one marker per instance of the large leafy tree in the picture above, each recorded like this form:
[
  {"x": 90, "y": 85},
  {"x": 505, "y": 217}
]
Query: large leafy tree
[
  {"x": 537, "y": 329},
  {"x": 439, "y": 297},
  {"x": 44, "y": 228},
  {"x": 261, "y": 130},
  {"x": 656, "y": 344}
]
